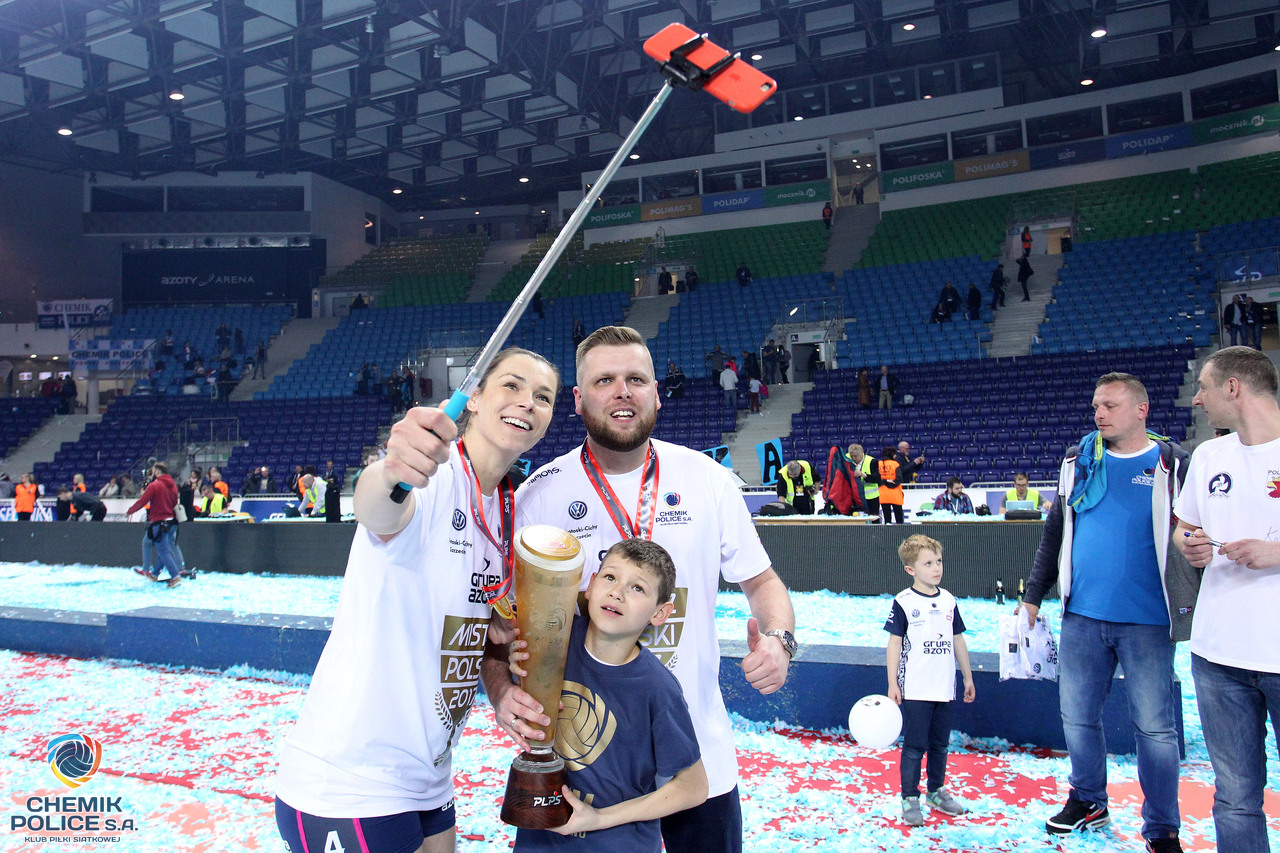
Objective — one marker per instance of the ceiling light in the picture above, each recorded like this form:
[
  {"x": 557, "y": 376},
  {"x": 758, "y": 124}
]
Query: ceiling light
[
  {"x": 422, "y": 217},
  {"x": 928, "y": 97},
  {"x": 542, "y": 211},
  {"x": 396, "y": 191},
  {"x": 908, "y": 27},
  {"x": 756, "y": 57},
  {"x": 176, "y": 95},
  {"x": 524, "y": 180},
  {"x": 1088, "y": 81},
  {"x": 1277, "y": 47},
  {"x": 633, "y": 157},
  {"x": 1098, "y": 32},
  {"x": 55, "y": 358},
  {"x": 33, "y": 355},
  {"x": 477, "y": 213},
  {"x": 64, "y": 131},
  {"x": 798, "y": 118}
]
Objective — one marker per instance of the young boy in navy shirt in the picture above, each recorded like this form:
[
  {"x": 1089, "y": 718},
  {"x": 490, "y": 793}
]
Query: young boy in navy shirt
[
  {"x": 926, "y": 641},
  {"x": 624, "y": 730}
]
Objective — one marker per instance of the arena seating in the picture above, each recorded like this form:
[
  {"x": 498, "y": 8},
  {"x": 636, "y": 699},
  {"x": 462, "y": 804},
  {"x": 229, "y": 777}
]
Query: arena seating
[
  {"x": 197, "y": 324},
  {"x": 602, "y": 268},
  {"x": 22, "y": 416},
  {"x": 975, "y": 419},
  {"x": 785, "y": 250},
  {"x": 427, "y": 270},
  {"x": 280, "y": 434}
]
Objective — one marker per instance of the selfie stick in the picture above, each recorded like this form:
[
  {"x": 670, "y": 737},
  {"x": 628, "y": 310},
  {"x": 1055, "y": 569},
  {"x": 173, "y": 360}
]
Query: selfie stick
[{"x": 678, "y": 74}]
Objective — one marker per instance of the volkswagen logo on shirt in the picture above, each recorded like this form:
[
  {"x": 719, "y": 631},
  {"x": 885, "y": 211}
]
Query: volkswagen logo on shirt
[
  {"x": 577, "y": 510},
  {"x": 459, "y": 519}
]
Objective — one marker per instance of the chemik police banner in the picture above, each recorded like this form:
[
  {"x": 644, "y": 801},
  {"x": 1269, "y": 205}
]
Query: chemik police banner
[
  {"x": 76, "y": 313},
  {"x": 110, "y": 355}
]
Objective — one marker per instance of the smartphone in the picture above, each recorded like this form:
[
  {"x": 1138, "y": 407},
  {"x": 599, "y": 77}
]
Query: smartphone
[{"x": 739, "y": 85}]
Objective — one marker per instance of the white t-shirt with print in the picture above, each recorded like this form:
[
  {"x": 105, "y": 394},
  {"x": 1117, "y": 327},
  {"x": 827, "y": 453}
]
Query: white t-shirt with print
[
  {"x": 397, "y": 678},
  {"x": 704, "y": 524},
  {"x": 1233, "y": 492}
]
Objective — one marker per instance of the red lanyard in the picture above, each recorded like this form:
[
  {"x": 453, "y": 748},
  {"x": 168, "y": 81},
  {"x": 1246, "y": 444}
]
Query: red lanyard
[
  {"x": 495, "y": 594},
  {"x": 646, "y": 503}
]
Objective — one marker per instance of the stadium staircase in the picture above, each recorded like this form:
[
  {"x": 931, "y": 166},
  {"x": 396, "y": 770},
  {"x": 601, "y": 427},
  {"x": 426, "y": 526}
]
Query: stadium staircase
[
  {"x": 851, "y": 233},
  {"x": 497, "y": 260},
  {"x": 647, "y": 314},
  {"x": 294, "y": 342},
  {"x": 1016, "y": 324},
  {"x": 41, "y": 447},
  {"x": 773, "y": 422}
]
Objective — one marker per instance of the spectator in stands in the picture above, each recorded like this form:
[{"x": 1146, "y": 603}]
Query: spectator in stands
[
  {"x": 226, "y": 382},
  {"x": 796, "y": 486},
  {"x": 197, "y": 369},
  {"x": 827, "y": 214},
  {"x": 997, "y": 287},
  {"x": 222, "y": 335},
  {"x": 68, "y": 392},
  {"x": 954, "y": 500},
  {"x": 239, "y": 342},
  {"x": 166, "y": 344},
  {"x": 690, "y": 279},
  {"x": 358, "y": 303},
  {"x": 751, "y": 364},
  {"x": 111, "y": 489},
  {"x": 375, "y": 379},
  {"x": 1231, "y": 319},
  {"x": 1026, "y": 240},
  {"x": 950, "y": 297},
  {"x": 814, "y": 361},
  {"x": 743, "y": 274},
  {"x": 24, "y": 497},
  {"x": 215, "y": 477},
  {"x": 187, "y": 494},
  {"x": 729, "y": 384},
  {"x": 863, "y": 466},
  {"x": 82, "y": 505},
  {"x": 189, "y": 356},
  {"x": 1021, "y": 491},
  {"x": 784, "y": 364},
  {"x": 664, "y": 282},
  {"x": 769, "y": 357},
  {"x": 579, "y": 332},
  {"x": 212, "y": 502},
  {"x": 7, "y": 487},
  {"x": 753, "y": 395},
  {"x": 329, "y": 472},
  {"x": 266, "y": 482},
  {"x": 904, "y": 457},
  {"x": 974, "y": 301},
  {"x": 864, "y": 388},
  {"x": 294, "y": 480},
  {"x": 1253, "y": 322},
  {"x": 1127, "y": 596},
  {"x": 940, "y": 313},
  {"x": 393, "y": 391},
  {"x": 160, "y": 497},
  {"x": 406, "y": 386},
  {"x": 674, "y": 381},
  {"x": 362, "y": 380},
  {"x": 887, "y": 385},
  {"x": 538, "y": 306},
  {"x": 260, "y": 360},
  {"x": 129, "y": 486},
  {"x": 889, "y": 475},
  {"x": 252, "y": 482},
  {"x": 858, "y": 193},
  {"x": 1024, "y": 274},
  {"x": 715, "y": 362}
]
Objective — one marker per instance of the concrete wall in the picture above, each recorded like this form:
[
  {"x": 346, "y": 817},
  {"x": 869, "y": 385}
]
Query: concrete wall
[{"x": 337, "y": 215}]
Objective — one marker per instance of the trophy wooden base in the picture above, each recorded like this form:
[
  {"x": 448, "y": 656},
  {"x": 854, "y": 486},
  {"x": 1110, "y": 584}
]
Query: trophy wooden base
[{"x": 534, "y": 799}]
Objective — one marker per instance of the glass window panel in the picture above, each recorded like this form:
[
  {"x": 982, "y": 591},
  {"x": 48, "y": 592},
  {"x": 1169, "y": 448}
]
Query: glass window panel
[
  {"x": 992, "y": 139},
  {"x": 914, "y": 152},
  {"x": 674, "y": 185},
  {"x": 794, "y": 170},
  {"x": 895, "y": 87},
  {"x": 850, "y": 95},
  {"x": 723, "y": 179}
]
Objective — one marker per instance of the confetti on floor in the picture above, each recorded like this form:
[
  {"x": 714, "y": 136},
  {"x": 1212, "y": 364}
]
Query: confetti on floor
[{"x": 188, "y": 755}]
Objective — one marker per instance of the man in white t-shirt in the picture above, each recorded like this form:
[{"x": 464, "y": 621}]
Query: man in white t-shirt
[
  {"x": 1229, "y": 525},
  {"x": 620, "y": 483}
]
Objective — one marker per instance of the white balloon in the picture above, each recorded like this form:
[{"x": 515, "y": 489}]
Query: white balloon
[{"x": 875, "y": 721}]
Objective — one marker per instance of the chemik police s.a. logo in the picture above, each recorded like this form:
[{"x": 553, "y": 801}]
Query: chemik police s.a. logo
[{"x": 74, "y": 760}]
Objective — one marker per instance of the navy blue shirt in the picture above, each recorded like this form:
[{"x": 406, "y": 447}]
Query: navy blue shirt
[{"x": 622, "y": 730}]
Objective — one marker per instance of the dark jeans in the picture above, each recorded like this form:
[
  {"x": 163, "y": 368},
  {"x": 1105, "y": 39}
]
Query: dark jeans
[
  {"x": 892, "y": 513},
  {"x": 714, "y": 826},
  {"x": 926, "y": 730},
  {"x": 873, "y": 505}
]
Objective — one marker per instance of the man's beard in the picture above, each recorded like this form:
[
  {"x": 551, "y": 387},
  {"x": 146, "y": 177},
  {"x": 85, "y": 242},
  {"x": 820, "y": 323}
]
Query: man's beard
[{"x": 604, "y": 431}]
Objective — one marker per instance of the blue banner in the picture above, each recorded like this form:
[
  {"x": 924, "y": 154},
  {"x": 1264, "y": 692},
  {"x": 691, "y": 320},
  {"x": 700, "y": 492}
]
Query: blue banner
[
  {"x": 770, "y": 455},
  {"x": 1053, "y": 156},
  {"x": 102, "y": 354},
  {"x": 1144, "y": 141},
  {"x": 720, "y": 453},
  {"x": 736, "y": 200}
]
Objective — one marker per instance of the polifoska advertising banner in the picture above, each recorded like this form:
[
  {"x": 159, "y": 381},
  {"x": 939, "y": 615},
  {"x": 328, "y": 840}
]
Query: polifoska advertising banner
[
  {"x": 1243, "y": 123},
  {"x": 624, "y": 215},
  {"x": 919, "y": 176},
  {"x": 1009, "y": 163},
  {"x": 73, "y": 313}
]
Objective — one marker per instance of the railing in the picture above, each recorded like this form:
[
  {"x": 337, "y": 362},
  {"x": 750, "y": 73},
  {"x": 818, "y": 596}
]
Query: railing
[
  {"x": 808, "y": 311},
  {"x": 185, "y": 441},
  {"x": 1057, "y": 205}
]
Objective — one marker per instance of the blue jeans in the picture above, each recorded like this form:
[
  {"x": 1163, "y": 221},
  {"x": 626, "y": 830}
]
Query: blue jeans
[
  {"x": 149, "y": 552},
  {"x": 166, "y": 550},
  {"x": 1234, "y": 706},
  {"x": 1087, "y": 659}
]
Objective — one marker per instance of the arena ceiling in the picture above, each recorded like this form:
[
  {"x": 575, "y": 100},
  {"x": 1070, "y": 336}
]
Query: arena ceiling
[{"x": 454, "y": 101}]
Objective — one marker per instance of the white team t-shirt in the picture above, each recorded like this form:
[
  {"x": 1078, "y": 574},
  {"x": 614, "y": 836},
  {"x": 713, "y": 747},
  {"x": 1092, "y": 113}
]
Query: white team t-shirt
[
  {"x": 928, "y": 625},
  {"x": 1233, "y": 492},
  {"x": 397, "y": 678},
  {"x": 704, "y": 524}
]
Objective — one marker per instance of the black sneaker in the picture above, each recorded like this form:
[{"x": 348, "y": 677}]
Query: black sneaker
[
  {"x": 1164, "y": 845},
  {"x": 1077, "y": 814}
]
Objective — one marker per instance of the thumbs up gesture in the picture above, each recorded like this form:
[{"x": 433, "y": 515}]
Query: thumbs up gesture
[{"x": 765, "y": 665}]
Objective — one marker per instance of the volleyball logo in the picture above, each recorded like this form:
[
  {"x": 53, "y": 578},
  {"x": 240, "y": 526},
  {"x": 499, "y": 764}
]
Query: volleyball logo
[
  {"x": 74, "y": 759},
  {"x": 586, "y": 726}
]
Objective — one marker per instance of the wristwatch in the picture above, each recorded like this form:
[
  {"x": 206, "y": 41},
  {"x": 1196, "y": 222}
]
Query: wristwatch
[{"x": 787, "y": 639}]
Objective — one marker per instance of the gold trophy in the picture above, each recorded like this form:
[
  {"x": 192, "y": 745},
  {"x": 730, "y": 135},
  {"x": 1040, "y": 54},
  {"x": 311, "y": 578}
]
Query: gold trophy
[{"x": 548, "y": 572}]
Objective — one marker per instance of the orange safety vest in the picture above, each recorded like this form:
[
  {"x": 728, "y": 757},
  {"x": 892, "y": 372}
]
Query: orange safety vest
[
  {"x": 888, "y": 470},
  {"x": 24, "y": 497},
  {"x": 78, "y": 487}
]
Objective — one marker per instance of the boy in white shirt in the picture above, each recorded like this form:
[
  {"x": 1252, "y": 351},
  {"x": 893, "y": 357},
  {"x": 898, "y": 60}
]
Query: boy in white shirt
[{"x": 926, "y": 641}]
